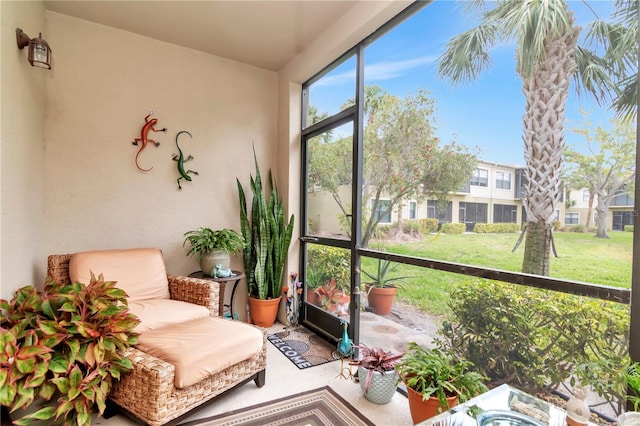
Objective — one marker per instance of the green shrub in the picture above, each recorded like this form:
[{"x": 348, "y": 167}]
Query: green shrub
[
  {"x": 384, "y": 232},
  {"x": 494, "y": 228},
  {"x": 411, "y": 227},
  {"x": 578, "y": 228},
  {"x": 628, "y": 228},
  {"x": 324, "y": 263},
  {"x": 428, "y": 225},
  {"x": 453, "y": 228},
  {"x": 539, "y": 339}
]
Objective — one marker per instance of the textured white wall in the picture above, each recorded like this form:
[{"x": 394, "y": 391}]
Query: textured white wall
[
  {"x": 21, "y": 151},
  {"x": 106, "y": 81}
]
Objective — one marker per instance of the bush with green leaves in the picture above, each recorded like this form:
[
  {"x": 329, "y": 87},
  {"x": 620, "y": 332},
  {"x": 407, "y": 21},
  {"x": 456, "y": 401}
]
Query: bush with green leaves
[
  {"x": 539, "y": 339},
  {"x": 66, "y": 343},
  {"x": 428, "y": 225},
  {"x": 628, "y": 228},
  {"x": 495, "y": 228},
  {"x": 632, "y": 375},
  {"x": 578, "y": 228},
  {"x": 453, "y": 228},
  {"x": 325, "y": 263}
]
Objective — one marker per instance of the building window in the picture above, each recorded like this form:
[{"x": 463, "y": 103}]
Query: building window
[
  {"x": 503, "y": 213},
  {"x": 571, "y": 218},
  {"x": 585, "y": 195},
  {"x": 382, "y": 211},
  {"x": 413, "y": 206},
  {"x": 480, "y": 177},
  {"x": 503, "y": 180}
]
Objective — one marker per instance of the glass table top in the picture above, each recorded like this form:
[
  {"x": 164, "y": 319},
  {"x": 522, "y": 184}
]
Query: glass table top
[{"x": 503, "y": 405}]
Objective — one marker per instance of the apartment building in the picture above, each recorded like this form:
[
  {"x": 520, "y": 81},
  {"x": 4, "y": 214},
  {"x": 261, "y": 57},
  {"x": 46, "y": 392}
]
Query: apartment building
[{"x": 494, "y": 195}]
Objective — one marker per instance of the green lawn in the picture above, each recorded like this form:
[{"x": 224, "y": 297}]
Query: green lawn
[{"x": 582, "y": 257}]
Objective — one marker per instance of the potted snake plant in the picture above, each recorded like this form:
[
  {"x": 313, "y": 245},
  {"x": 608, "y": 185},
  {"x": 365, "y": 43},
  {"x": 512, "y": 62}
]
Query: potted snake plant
[{"x": 267, "y": 236}]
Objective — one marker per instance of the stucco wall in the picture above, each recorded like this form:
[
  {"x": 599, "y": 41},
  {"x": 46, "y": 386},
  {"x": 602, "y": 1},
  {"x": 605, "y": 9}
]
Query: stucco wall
[
  {"x": 21, "y": 151},
  {"x": 105, "y": 82}
]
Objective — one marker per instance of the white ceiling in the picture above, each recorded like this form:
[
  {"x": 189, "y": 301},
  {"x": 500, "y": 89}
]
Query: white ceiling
[{"x": 266, "y": 34}]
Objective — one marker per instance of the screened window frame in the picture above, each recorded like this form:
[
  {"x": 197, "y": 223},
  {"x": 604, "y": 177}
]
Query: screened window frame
[{"x": 563, "y": 285}]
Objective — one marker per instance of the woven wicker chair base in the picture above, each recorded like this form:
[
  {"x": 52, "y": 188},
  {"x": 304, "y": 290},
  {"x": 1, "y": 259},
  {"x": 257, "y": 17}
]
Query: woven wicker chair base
[{"x": 148, "y": 392}]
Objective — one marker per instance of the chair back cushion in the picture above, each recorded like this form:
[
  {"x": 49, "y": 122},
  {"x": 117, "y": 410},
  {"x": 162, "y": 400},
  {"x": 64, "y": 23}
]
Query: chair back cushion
[{"x": 139, "y": 272}]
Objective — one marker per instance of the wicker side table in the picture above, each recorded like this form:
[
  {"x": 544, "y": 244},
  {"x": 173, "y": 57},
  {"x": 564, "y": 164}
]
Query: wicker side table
[{"x": 238, "y": 275}]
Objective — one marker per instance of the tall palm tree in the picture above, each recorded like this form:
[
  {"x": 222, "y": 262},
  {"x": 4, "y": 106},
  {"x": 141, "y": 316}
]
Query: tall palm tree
[{"x": 547, "y": 59}]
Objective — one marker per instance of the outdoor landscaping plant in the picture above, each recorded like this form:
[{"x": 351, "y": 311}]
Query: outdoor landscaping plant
[
  {"x": 65, "y": 344},
  {"x": 437, "y": 374},
  {"x": 376, "y": 373},
  {"x": 540, "y": 340}
]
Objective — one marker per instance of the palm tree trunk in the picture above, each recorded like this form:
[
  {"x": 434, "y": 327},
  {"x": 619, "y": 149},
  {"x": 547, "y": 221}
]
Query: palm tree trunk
[{"x": 546, "y": 92}]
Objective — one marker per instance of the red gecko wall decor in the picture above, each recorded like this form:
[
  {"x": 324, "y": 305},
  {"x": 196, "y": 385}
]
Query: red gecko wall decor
[{"x": 144, "y": 136}]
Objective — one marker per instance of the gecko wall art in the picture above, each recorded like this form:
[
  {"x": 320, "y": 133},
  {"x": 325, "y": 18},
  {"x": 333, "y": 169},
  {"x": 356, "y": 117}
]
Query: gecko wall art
[
  {"x": 143, "y": 140},
  {"x": 180, "y": 158}
]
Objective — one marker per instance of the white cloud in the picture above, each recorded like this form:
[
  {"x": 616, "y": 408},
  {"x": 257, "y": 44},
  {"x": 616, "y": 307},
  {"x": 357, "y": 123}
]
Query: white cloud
[{"x": 378, "y": 72}]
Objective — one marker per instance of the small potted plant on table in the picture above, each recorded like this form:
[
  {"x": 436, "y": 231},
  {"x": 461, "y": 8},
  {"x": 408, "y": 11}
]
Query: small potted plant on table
[
  {"x": 436, "y": 381},
  {"x": 376, "y": 373},
  {"x": 213, "y": 247}
]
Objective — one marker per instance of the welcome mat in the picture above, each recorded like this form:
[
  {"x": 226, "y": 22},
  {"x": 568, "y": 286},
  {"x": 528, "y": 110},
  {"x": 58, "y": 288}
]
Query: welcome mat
[
  {"x": 302, "y": 347},
  {"x": 318, "y": 407}
]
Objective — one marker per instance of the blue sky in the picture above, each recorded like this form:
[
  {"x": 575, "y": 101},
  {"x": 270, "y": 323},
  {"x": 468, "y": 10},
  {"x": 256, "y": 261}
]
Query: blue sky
[{"x": 486, "y": 113}]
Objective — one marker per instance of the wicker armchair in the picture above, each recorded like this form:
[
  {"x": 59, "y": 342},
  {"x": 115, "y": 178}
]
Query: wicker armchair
[{"x": 148, "y": 392}]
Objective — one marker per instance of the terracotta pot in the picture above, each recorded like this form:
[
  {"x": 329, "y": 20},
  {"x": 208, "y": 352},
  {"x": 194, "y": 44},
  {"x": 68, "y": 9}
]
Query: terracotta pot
[
  {"x": 422, "y": 410},
  {"x": 313, "y": 298},
  {"x": 380, "y": 299},
  {"x": 263, "y": 312}
]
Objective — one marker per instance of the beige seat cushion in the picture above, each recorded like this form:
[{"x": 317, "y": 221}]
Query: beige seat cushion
[
  {"x": 139, "y": 272},
  {"x": 201, "y": 347},
  {"x": 158, "y": 313}
]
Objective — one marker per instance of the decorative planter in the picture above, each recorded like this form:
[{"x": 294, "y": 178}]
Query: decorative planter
[
  {"x": 382, "y": 386},
  {"x": 208, "y": 261},
  {"x": 380, "y": 299},
  {"x": 312, "y": 297},
  {"x": 263, "y": 312},
  {"x": 425, "y": 409}
]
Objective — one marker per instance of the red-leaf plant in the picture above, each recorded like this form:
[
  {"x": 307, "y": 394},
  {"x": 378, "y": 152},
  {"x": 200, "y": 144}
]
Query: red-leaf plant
[
  {"x": 375, "y": 359},
  {"x": 331, "y": 296},
  {"x": 67, "y": 342}
]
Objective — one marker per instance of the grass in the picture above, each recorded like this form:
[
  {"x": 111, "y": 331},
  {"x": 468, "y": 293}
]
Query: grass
[{"x": 582, "y": 257}]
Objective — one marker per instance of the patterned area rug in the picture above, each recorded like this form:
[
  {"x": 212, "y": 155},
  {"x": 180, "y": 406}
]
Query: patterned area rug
[
  {"x": 302, "y": 347},
  {"x": 318, "y": 407}
]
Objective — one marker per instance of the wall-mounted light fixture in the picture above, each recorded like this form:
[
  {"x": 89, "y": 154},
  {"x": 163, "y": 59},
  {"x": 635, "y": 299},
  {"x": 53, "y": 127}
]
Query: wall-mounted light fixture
[{"x": 39, "y": 50}]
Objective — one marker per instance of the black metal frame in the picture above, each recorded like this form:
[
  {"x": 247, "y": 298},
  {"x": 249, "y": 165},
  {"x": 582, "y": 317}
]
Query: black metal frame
[{"x": 614, "y": 294}]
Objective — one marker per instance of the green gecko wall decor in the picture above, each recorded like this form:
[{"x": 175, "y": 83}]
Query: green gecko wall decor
[{"x": 181, "y": 160}]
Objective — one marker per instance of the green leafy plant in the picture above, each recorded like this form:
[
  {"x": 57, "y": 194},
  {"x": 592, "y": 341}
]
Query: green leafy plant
[
  {"x": 267, "y": 238},
  {"x": 381, "y": 276},
  {"x": 65, "y": 343},
  {"x": 327, "y": 263},
  {"x": 439, "y": 374},
  {"x": 206, "y": 240},
  {"x": 632, "y": 374},
  {"x": 538, "y": 339},
  {"x": 375, "y": 359}
]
